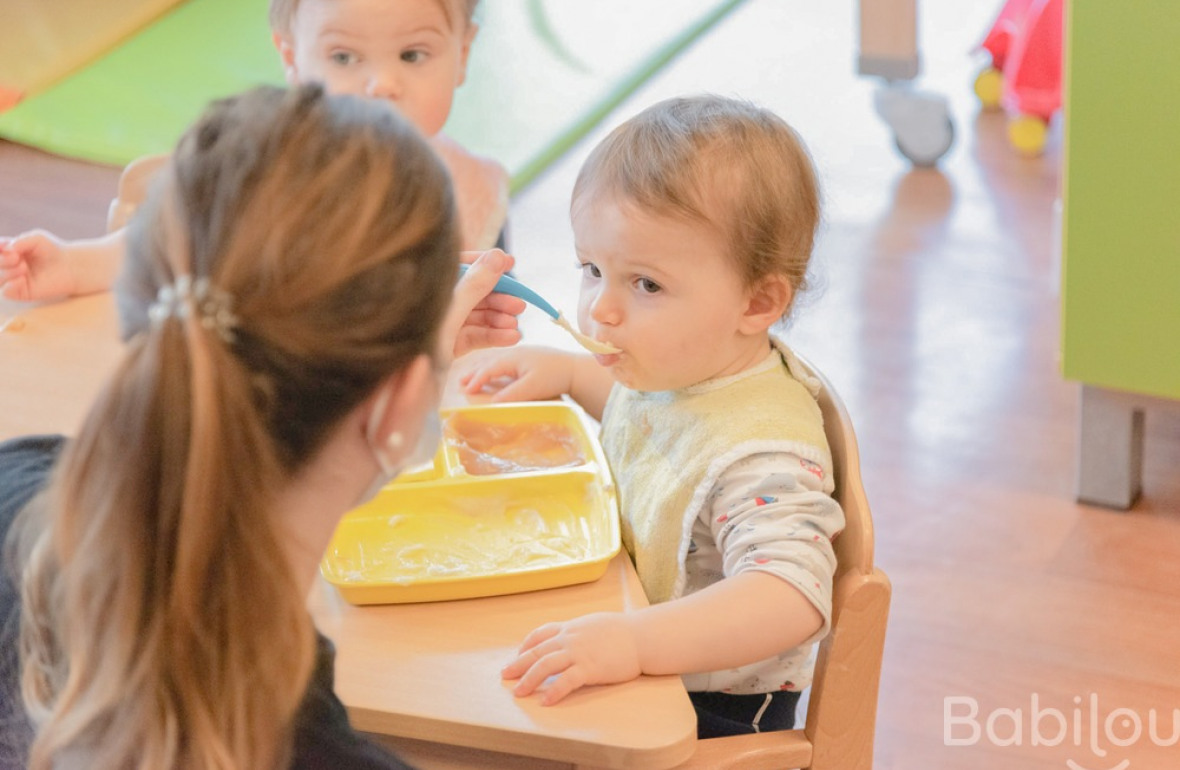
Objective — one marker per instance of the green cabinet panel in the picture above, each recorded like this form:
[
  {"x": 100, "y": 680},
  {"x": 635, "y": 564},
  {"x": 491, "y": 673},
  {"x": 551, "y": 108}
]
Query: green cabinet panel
[{"x": 1121, "y": 189}]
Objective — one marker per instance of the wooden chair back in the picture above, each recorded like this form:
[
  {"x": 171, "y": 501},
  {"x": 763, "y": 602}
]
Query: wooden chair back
[{"x": 842, "y": 707}]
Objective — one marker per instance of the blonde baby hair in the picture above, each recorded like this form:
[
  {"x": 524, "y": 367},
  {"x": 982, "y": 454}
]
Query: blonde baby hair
[
  {"x": 282, "y": 13},
  {"x": 721, "y": 162},
  {"x": 161, "y": 624}
]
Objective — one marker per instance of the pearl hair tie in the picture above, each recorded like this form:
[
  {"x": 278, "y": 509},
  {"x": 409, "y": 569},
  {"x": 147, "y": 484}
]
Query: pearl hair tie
[{"x": 212, "y": 306}]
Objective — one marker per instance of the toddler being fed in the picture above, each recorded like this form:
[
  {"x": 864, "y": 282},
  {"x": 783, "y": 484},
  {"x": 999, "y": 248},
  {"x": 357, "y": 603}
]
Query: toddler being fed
[{"x": 694, "y": 224}]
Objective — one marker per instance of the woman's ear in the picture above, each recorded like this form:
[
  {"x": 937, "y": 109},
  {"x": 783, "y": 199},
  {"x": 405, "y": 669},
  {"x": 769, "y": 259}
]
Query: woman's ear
[
  {"x": 287, "y": 56},
  {"x": 766, "y": 302},
  {"x": 402, "y": 399}
]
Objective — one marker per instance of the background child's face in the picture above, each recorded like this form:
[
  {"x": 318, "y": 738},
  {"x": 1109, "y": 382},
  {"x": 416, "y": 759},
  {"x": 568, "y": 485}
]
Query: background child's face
[
  {"x": 662, "y": 290},
  {"x": 404, "y": 51}
]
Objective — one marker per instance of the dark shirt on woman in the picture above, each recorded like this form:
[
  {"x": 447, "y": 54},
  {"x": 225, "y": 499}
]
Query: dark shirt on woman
[{"x": 323, "y": 737}]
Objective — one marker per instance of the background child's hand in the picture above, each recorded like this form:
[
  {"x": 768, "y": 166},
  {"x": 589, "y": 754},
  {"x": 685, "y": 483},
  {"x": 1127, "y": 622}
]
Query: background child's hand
[
  {"x": 530, "y": 374},
  {"x": 593, "y": 649},
  {"x": 33, "y": 267}
]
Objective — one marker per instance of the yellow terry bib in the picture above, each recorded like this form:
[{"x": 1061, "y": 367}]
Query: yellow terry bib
[{"x": 667, "y": 449}]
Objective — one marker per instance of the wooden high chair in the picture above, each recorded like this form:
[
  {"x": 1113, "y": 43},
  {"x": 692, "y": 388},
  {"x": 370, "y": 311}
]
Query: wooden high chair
[
  {"x": 133, "y": 185},
  {"x": 842, "y": 710}
]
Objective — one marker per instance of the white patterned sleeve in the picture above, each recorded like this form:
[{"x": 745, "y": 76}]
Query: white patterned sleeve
[{"x": 769, "y": 513}]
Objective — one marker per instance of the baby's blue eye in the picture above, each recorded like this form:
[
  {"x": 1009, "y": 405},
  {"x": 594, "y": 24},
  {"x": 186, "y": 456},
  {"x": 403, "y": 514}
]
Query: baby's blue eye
[
  {"x": 343, "y": 58},
  {"x": 412, "y": 57},
  {"x": 590, "y": 270},
  {"x": 648, "y": 285}
]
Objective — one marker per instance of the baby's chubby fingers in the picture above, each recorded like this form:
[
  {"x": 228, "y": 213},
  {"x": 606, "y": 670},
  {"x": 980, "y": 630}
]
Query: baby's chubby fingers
[
  {"x": 485, "y": 374},
  {"x": 15, "y": 288},
  {"x": 572, "y": 678},
  {"x": 14, "y": 273},
  {"x": 528, "y": 654},
  {"x": 10, "y": 258},
  {"x": 557, "y": 664},
  {"x": 532, "y": 668}
]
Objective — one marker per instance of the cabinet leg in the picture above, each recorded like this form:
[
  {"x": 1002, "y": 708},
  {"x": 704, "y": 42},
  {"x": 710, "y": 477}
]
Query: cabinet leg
[{"x": 1110, "y": 449}]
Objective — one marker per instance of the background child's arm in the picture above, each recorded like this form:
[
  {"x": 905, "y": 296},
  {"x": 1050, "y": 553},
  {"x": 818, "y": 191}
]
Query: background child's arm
[
  {"x": 535, "y": 373},
  {"x": 38, "y": 266}
]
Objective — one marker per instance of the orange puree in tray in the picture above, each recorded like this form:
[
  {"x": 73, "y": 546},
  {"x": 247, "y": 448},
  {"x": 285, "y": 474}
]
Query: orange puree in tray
[{"x": 487, "y": 448}]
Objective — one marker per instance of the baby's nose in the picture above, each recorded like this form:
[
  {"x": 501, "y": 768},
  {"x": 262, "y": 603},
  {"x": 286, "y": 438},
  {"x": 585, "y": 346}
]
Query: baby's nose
[
  {"x": 383, "y": 84},
  {"x": 604, "y": 308}
]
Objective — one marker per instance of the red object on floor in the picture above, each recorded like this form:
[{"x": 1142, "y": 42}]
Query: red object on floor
[{"x": 1025, "y": 43}]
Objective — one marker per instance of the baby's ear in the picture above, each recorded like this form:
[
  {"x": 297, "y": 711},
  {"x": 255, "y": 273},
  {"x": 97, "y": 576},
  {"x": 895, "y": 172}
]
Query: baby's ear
[
  {"x": 468, "y": 39},
  {"x": 766, "y": 301},
  {"x": 287, "y": 56}
]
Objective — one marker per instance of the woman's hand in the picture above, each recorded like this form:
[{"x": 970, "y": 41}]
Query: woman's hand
[
  {"x": 478, "y": 318},
  {"x": 593, "y": 649}
]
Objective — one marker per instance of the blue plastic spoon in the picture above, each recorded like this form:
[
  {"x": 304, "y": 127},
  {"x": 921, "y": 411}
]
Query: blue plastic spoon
[{"x": 513, "y": 287}]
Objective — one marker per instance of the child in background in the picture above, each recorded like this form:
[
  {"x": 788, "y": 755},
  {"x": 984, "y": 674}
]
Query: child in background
[
  {"x": 411, "y": 53},
  {"x": 694, "y": 224}
]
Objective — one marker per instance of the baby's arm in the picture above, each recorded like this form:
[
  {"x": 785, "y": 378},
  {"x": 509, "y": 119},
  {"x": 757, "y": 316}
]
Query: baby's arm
[
  {"x": 536, "y": 373},
  {"x": 778, "y": 563},
  {"x": 735, "y": 621},
  {"x": 38, "y": 266}
]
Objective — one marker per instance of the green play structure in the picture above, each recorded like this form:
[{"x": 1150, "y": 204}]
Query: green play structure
[
  {"x": 1121, "y": 235},
  {"x": 542, "y": 73}
]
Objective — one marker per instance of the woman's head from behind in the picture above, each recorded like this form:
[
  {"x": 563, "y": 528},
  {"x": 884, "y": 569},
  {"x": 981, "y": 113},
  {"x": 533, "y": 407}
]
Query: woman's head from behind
[
  {"x": 327, "y": 225},
  {"x": 297, "y": 255}
]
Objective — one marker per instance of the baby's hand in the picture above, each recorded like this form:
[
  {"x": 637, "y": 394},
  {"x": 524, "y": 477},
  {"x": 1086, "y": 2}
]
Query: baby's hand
[
  {"x": 593, "y": 649},
  {"x": 521, "y": 374},
  {"x": 33, "y": 266}
]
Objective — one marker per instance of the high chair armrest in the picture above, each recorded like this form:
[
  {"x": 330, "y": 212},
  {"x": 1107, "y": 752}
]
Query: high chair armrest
[
  {"x": 133, "y": 186},
  {"x": 767, "y": 751}
]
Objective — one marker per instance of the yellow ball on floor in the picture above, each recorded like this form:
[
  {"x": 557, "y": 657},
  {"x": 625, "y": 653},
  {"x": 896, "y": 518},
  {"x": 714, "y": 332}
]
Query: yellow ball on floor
[{"x": 989, "y": 86}]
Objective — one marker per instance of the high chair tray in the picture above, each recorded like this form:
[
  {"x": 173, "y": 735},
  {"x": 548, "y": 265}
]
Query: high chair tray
[{"x": 518, "y": 498}]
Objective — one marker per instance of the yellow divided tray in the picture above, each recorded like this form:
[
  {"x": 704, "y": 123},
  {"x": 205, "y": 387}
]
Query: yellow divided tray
[{"x": 519, "y": 498}]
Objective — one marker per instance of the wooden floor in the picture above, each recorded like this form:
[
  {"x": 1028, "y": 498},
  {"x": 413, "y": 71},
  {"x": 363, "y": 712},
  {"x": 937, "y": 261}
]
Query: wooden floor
[{"x": 938, "y": 321}]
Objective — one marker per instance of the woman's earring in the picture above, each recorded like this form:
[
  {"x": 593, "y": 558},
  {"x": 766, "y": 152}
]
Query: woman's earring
[{"x": 395, "y": 440}]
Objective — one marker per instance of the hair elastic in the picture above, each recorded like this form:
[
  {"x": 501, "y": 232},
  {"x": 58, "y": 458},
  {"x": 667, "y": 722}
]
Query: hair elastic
[{"x": 212, "y": 305}]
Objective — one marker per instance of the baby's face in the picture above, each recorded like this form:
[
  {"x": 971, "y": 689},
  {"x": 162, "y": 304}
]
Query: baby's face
[
  {"x": 662, "y": 290},
  {"x": 403, "y": 51}
]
